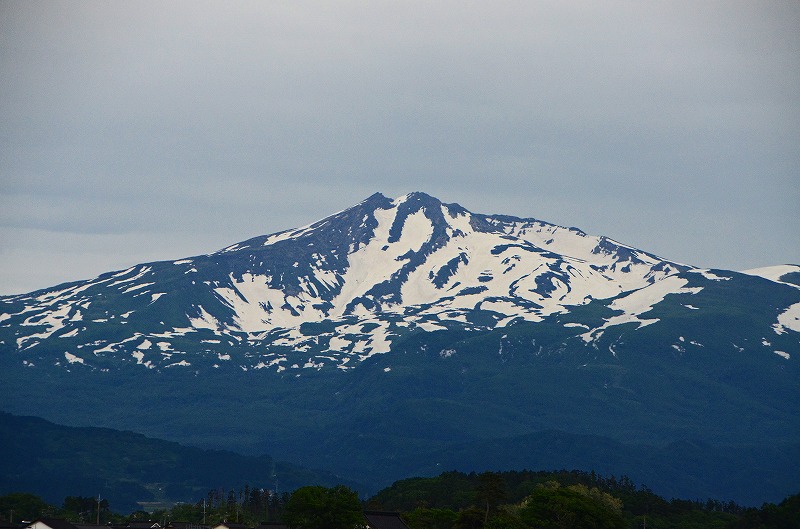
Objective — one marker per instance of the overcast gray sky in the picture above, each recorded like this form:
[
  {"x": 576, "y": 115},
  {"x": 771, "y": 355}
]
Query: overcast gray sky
[{"x": 139, "y": 131}]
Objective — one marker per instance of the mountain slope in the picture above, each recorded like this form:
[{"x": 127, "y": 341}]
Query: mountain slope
[
  {"x": 372, "y": 273},
  {"x": 406, "y": 326},
  {"x": 125, "y": 468}
]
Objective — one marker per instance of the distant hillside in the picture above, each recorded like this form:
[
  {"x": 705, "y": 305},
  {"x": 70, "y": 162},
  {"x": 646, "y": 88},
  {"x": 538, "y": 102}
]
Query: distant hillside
[
  {"x": 525, "y": 499},
  {"x": 56, "y": 461},
  {"x": 688, "y": 470}
]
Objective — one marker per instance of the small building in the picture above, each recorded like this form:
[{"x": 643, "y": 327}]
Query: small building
[
  {"x": 50, "y": 523},
  {"x": 272, "y": 525},
  {"x": 143, "y": 525},
  {"x": 384, "y": 520},
  {"x": 186, "y": 525},
  {"x": 109, "y": 525},
  {"x": 230, "y": 525}
]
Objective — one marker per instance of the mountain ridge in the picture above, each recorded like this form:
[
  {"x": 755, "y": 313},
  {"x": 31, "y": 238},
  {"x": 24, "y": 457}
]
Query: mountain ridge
[
  {"x": 361, "y": 266},
  {"x": 405, "y": 326}
]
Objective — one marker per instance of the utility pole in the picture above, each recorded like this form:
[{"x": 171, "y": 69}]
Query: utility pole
[{"x": 98, "y": 508}]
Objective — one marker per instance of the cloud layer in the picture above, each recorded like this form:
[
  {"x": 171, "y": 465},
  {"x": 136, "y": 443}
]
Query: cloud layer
[{"x": 154, "y": 130}]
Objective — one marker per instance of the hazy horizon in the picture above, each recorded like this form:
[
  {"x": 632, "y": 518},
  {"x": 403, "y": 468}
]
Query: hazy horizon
[{"x": 152, "y": 131}]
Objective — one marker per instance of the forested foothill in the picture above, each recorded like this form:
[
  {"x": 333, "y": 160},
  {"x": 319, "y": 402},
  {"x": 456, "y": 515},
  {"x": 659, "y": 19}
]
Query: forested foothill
[
  {"x": 452, "y": 500},
  {"x": 564, "y": 499}
]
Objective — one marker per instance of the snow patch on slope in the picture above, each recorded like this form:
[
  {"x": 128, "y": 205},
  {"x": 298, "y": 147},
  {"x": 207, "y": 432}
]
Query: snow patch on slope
[
  {"x": 72, "y": 359},
  {"x": 204, "y": 320},
  {"x": 641, "y": 301},
  {"x": 365, "y": 270},
  {"x": 774, "y": 273},
  {"x": 788, "y": 319}
]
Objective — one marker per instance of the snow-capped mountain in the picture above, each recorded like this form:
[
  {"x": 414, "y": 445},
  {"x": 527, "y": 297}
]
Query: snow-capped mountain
[
  {"x": 340, "y": 290},
  {"x": 401, "y": 334}
]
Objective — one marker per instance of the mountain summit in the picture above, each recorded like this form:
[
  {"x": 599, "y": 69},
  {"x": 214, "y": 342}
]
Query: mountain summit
[
  {"x": 374, "y": 272},
  {"x": 461, "y": 327}
]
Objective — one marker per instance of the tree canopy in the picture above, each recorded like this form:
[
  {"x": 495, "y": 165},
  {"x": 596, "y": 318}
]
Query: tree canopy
[{"x": 324, "y": 508}]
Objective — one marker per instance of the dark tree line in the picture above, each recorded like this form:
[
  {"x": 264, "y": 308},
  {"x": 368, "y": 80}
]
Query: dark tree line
[
  {"x": 452, "y": 500},
  {"x": 19, "y": 506},
  {"x": 531, "y": 499},
  {"x": 247, "y": 505}
]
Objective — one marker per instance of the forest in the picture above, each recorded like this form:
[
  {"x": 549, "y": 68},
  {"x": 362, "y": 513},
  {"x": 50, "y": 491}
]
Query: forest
[{"x": 452, "y": 500}]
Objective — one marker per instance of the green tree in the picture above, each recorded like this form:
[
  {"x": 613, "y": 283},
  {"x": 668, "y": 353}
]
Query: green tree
[
  {"x": 505, "y": 520},
  {"x": 785, "y": 515},
  {"x": 472, "y": 518},
  {"x": 425, "y": 518},
  {"x": 491, "y": 492},
  {"x": 23, "y": 506},
  {"x": 322, "y": 508},
  {"x": 143, "y": 516},
  {"x": 85, "y": 509},
  {"x": 187, "y": 512},
  {"x": 568, "y": 508}
]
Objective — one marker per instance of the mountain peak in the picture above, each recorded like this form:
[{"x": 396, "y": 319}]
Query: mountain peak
[
  {"x": 390, "y": 266},
  {"x": 441, "y": 318},
  {"x": 418, "y": 196}
]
